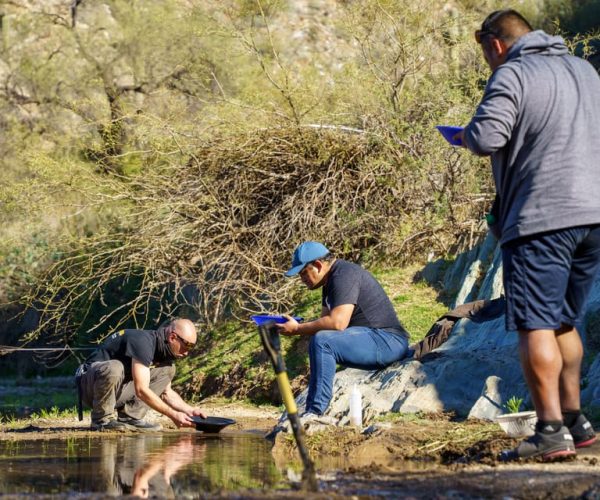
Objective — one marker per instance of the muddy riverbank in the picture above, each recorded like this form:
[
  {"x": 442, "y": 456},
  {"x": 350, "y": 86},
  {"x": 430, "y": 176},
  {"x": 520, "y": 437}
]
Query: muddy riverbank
[
  {"x": 248, "y": 418},
  {"x": 422, "y": 457}
]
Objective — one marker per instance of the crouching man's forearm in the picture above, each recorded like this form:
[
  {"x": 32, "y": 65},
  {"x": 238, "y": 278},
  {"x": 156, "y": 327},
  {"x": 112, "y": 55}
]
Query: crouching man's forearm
[
  {"x": 175, "y": 401},
  {"x": 171, "y": 406}
]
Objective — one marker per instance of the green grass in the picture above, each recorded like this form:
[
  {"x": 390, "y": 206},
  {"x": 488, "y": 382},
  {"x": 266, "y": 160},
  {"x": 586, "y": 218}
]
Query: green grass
[
  {"x": 416, "y": 303},
  {"x": 55, "y": 412},
  {"x": 33, "y": 396},
  {"x": 9, "y": 421}
]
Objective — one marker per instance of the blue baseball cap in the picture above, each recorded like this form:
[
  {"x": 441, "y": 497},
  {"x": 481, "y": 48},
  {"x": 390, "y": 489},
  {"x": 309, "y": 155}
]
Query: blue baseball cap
[{"x": 304, "y": 254}]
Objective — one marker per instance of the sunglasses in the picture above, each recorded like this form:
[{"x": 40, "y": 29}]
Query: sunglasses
[{"x": 186, "y": 344}]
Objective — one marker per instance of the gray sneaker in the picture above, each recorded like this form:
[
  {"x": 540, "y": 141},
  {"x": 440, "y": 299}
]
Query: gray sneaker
[
  {"x": 111, "y": 426},
  {"x": 312, "y": 419},
  {"x": 547, "y": 446},
  {"x": 582, "y": 432},
  {"x": 139, "y": 424}
]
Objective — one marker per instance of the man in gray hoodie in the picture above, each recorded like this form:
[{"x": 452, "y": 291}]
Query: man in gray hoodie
[{"x": 539, "y": 120}]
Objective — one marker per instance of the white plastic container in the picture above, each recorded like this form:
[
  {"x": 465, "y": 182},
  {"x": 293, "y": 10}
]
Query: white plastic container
[
  {"x": 355, "y": 412},
  {"x": 520, "y": 424}
]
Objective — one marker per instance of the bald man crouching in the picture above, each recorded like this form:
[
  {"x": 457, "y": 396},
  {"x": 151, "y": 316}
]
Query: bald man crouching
[{"x": 132, "y": 371}]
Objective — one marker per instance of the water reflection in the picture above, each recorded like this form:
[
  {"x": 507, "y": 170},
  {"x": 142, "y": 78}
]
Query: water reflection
[
  {"x": 125, "y": 473},
  {"x": 156, "y": 465}
]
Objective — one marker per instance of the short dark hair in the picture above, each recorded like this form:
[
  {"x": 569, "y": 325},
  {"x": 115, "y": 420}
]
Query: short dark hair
[
  {"x": 506, "y": 24},
  {"x": 326, "y": 258}
]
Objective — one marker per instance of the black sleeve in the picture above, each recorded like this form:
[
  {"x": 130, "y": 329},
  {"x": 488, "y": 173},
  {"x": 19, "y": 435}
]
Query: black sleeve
[{"x": 140, "y": 347}]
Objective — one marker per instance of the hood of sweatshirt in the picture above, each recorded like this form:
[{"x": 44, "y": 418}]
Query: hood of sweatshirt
[{"x": 538, "y": 42}]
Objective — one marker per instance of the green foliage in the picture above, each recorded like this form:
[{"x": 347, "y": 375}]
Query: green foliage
[
  {"x": 54, "y": 413},
  {"x": 513, "y": 404},
  {"x": 160, "y": 159},
  {"x": 9, "y": 421}
]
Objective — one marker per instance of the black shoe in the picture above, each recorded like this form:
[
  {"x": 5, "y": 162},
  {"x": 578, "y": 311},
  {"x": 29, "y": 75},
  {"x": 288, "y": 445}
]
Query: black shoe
[
  {"x": 139, "y": 424},
  {"x": 548, "y": 446},
  {"x": 582, "y": 432},
  {"x": 111, "y": 426}
]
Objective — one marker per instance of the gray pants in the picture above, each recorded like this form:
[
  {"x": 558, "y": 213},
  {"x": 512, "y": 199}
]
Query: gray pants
[{"x": 104, "y": 390}]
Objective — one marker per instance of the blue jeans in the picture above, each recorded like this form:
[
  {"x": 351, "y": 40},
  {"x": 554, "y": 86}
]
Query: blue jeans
[{"x": 354, "y": 347}]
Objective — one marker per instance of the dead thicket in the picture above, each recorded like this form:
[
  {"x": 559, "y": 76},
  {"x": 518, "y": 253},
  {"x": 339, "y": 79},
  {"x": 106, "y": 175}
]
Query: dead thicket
[{"x": 216, "y": 233}]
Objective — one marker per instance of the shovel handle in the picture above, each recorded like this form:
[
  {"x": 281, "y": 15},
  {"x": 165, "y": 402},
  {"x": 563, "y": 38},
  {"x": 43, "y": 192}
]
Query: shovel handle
[
  {"x": 286, "y": 393},
  {"x": 269, "y": 336}
]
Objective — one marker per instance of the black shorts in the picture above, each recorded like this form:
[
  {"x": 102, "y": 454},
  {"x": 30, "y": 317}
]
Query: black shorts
[{"x": 548, "y": 277}]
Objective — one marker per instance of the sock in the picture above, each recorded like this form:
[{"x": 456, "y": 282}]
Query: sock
[
  {"x": 548, "y": 426},
  {"x": 570, "y": 417}
]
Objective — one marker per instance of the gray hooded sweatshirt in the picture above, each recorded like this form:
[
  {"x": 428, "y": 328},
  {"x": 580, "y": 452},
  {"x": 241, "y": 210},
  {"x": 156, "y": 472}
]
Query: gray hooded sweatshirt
[{"x": 539, "y": 119}]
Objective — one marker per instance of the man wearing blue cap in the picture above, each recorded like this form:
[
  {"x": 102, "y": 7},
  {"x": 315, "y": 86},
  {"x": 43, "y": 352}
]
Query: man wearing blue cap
[{"x": 358, "y": 326}]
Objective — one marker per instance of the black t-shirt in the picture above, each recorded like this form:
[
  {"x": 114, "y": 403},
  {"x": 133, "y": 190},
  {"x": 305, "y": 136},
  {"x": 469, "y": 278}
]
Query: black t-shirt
[
  {"x": 126, "y": 345},
  {"x": 348, "y": 283}
]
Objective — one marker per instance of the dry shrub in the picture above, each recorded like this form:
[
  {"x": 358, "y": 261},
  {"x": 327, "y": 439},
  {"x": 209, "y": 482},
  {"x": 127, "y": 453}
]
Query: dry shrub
[{"x": 217, "y": 232}]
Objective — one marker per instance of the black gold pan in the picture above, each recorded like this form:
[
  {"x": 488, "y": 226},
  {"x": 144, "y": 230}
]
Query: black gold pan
[{"x": 212, "y": 425}]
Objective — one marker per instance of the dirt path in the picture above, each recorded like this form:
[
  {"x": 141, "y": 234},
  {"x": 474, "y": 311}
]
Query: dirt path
[{"x": 247, "y": 417}]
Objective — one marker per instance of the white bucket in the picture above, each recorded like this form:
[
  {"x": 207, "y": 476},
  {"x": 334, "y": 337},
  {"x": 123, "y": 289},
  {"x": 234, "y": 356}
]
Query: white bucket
[{"x": 520, "y": 424}]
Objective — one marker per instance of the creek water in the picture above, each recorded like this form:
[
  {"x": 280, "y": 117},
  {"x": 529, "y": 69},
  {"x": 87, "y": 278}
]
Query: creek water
[
  {"x": 186, "y": 464},
  {"x": 146, "y": 465}
]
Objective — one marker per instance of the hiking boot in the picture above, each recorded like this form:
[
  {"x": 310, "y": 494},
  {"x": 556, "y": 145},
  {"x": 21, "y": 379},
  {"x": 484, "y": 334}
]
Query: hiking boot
[
  {"x": 547, "y": 446},
  {"x": 111, "y": 426},
  {"x": 139, "y": 424},
  {"x": 582, "y": 432}
]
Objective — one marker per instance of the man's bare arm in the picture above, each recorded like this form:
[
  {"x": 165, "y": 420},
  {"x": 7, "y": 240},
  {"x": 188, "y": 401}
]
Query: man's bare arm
[
  {"x": 336, "y": 319},
  {"x": 141, "y": 381},
  {"x": 176, "y": 402}
]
